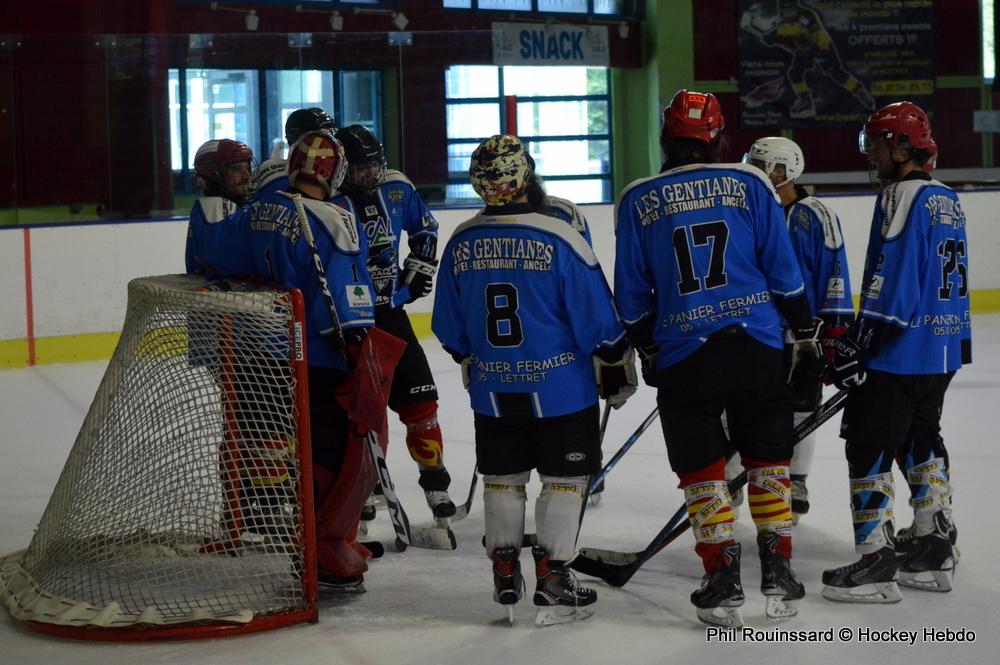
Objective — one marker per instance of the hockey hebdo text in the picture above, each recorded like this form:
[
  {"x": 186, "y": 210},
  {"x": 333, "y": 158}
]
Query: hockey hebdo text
[{"x": 844, "y": 634}]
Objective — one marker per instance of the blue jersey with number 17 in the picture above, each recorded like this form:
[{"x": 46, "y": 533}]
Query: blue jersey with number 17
[
  {"x": 701, "y": 248},
  {"x": 525, "y": 297}
]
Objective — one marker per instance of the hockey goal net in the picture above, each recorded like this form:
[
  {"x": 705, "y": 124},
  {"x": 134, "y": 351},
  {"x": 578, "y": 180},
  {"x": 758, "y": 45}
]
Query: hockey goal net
[{"x": 185, "y": 507}]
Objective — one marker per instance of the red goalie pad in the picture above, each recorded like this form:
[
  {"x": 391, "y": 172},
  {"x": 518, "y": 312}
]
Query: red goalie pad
[{"x": 365, "y": 395}]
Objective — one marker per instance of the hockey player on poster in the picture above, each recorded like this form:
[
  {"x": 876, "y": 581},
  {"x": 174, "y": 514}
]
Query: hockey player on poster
[
  {"x": 799, "y": 30},
  {"x": 385, "y": 204},
  {"x": 270, "y": 176},
  {"x": 818, "y": 243},
  {"x": 523, "y": 305},
  {"x": 912, "y": 333},
  {"x": 705, "y": 279},
  {"x": 223, "y": 170}
]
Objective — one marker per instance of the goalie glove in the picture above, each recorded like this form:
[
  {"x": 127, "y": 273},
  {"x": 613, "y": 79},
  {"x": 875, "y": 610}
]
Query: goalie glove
[
  {"x": 616, "y": 380},
  {"x": 418, "y": 275},
  {"x": 847, "y": 369},
  {"x": 807, "y": 363}
]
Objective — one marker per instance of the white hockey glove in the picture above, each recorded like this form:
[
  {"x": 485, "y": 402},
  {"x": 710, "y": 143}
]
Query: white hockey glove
[
  {"x": 808, "y": 362},
  {"x": 418, "y": 275},
  {"x": 616, "y": 381}
]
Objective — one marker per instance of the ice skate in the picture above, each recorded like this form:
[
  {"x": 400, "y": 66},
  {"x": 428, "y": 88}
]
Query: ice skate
[
  {"x": 781, "y": 588},
  {"x": 871, "y": 579},
  {"x": 441, "y": 505},
  {"x": 929, "y": 561},
  {"x": 906, "y": 539},
  {"x": 329, "y": 583},
  {"x": 800, "y": 498},
  {"x": 720, "y": 596},
  {"x": 508, "y": 584},
  {"x": 559, "y": 597}
]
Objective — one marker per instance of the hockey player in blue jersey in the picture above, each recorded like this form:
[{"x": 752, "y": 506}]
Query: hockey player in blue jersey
[
  {"x": 912, "y": 333},
  {"x": 275, "y": 250},
  {"x": 523, "y": 305},
  {"x": 385, "y": 204},
  {"x": 706, "y": 280},
  {"x": 223, "y": 168},
  {"x": 818, "y": 243}
]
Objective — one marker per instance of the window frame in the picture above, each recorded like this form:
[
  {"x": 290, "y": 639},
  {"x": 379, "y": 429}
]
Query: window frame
[
  {"x": 607, "y": 178},
  {"x": 265, "y": 123}
]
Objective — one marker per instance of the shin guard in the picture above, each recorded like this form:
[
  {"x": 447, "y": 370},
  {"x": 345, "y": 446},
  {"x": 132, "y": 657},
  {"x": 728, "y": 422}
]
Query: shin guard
[
  {"x": 503, "y": 501},
  {"x": 930, "y": 493},
  {"x": 557, "y": 514},
  {"x": 802, "y": 456},
  {"x": 423, "y": 434},
  {"x": 710, "y": 511},
  {"x": 769, "y": 491},
  {"x": 871, "y": 511}
]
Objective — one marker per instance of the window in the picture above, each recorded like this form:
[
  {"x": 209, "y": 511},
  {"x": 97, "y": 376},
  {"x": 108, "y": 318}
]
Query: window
[
  {"x": 989, "y": 54},
  {"x": 563, "y": 116},
  {"x": 595, "y": 7},
  {"x": 208, "y": 104}
]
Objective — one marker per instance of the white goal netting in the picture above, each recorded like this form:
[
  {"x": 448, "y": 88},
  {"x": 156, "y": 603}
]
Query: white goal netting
[{"x": 181, "y": 502}]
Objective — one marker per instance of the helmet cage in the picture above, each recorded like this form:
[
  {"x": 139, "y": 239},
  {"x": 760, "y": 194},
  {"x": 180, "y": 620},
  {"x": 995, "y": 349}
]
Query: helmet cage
[{"x": 317, "y": 158}]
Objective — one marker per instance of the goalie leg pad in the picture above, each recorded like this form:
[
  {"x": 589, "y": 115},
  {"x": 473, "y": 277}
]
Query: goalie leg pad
[
  {"x": 503, "y": 501},
  {"x": 710, "y": 511},
  {"x": 339, "y": 499},
  {"x": 557, "y": 514}
]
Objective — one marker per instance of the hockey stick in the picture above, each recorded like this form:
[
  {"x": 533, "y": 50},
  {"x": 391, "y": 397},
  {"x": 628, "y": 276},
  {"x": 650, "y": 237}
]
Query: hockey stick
[
  {"x": 428, "y": 537},
  {"x": 463, "y": 510},
  {"x": 624, "y": 449},
  {"x": 595, "y": 490},
  {"x": 617, "y": 568}
]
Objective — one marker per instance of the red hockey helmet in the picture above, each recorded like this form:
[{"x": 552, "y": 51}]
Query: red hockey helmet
[
  {"x": 694, "y": 115},
  {"x": 317, "y": 158},
  {"x": 213, "y": 157},
  {"x": 899, "y": 125},
  {"x": 931, "y": 162}
]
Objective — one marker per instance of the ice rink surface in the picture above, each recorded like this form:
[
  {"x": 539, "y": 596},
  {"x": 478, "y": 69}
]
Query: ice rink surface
[{"x": 430, "y": 607}]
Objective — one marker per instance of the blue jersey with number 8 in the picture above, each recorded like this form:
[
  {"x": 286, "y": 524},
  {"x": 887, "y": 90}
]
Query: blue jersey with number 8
[{"x": 525, "y": 297}]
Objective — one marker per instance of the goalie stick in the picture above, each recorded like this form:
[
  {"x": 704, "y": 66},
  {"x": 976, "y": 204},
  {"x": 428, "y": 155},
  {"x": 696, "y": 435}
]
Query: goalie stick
[
  {"x": 426, "y": 537},
  {"x": 617, "y": 568}
]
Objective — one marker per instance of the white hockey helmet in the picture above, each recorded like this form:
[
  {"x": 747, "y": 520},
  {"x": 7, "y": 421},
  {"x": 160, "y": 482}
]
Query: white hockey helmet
[{"x": 768, "y": 152}]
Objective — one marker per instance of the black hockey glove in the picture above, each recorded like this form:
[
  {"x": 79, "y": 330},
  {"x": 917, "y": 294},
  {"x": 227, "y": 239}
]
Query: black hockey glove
[
  {"x": 808, "y": 363},
  {"x": 418, "y": 275},
  {"x": 847, "y": 369},
  {"x": 616, "y": 380},
  {"x": 649, "y": 358}
]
